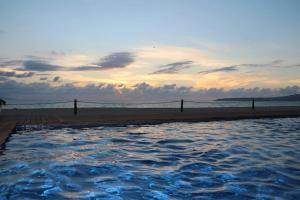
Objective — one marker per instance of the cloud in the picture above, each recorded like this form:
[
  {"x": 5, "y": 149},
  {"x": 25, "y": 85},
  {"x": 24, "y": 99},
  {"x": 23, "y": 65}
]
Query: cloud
[
  {"x": 111, "y": 61},
  {"x": 33, "y": 63},
  {"x": 177, "y": 66},
  {"x": 116, "y": 60},
  {"x": 288, "y": 66},
  {"x": 8, "y": 63},
  {"x": 86, "y": 68},
  {"x": 173, "y": 68},
  {"x": 19, "y": 92},
  {"x": 278, "y": 61},
  {"x": 41, "y": 66},
  {"x": 270, "y": 64},
  {"x": 122, "y": 60},
  {"x": 56, "y": 79},
  {"x": 222, "y": 69},
  {"x": 233, "y": 68},
  {"x": 57, "y": 53},
  {"x": 16, "y": 75},
  {"x": 43, "y": 78}
]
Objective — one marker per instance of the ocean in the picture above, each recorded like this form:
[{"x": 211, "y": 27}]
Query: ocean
[{"x": 150, "y": 104}]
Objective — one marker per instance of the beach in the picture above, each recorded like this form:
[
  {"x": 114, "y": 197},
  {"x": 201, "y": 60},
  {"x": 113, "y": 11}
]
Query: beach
[{"x": 64, "y": 117}]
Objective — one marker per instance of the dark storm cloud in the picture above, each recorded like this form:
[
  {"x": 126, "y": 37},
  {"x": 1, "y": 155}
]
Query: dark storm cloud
[
  {"x": 173, "y": 68},
  {"x": 43, "y": 78},
  {"x": 222, "y": 69},
  {"x": 16, "y": 75}
]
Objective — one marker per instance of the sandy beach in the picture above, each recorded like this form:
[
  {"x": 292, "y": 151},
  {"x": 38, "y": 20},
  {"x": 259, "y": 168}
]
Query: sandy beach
[{"x": 119, "y": 116}]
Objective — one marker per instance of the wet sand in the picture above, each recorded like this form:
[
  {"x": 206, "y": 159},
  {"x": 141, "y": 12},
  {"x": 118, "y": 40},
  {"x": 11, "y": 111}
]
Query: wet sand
[{"x": 119, "y": 116}]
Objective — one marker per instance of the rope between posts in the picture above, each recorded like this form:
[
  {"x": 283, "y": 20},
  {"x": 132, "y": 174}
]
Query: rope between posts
[
  {"x": 109, "y": 103},
  {"x": 92, "y": 102},
  {"x": 138, "y": 103},
  {"x": 30, "y": 104},
  {"x": 106, "y": 103},
  {"x": 197, "y": 101}
]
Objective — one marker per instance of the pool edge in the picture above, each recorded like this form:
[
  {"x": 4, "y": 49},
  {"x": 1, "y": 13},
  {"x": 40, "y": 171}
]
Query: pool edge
[
  {"x": 6, "y": 129},
  {"x": 61, "y": 118}
]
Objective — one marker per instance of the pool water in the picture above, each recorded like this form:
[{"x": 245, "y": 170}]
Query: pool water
[{"x": 245, "y": 159}]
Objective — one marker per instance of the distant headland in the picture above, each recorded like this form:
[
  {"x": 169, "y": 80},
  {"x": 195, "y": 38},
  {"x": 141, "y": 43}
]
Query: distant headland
[{"x": 294, "y": 97}]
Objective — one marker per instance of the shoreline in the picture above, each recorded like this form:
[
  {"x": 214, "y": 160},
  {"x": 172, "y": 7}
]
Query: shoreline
[{"x": 64, "y": 117}]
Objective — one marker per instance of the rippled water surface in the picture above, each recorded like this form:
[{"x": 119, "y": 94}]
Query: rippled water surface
[{"x": 247, "y": 159}]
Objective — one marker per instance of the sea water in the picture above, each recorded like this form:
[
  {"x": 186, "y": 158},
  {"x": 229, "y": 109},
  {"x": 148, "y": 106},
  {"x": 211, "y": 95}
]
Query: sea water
[
  {"x": 245, "y": 159},
  {"x": 155, "y": 104}
]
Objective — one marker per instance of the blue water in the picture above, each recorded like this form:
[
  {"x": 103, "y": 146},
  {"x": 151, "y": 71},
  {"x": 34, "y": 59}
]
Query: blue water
[{"x": 246, "y": 159}]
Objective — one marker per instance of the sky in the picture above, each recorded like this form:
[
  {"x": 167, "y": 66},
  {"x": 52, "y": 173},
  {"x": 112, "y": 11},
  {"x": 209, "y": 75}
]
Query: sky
[{"x": 236, "y": 47}]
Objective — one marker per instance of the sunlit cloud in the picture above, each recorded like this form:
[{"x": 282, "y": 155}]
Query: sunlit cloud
[
  {"x": 34, "y": 65},
  {"x": 173, "y": 68},
  {"x": 162, "y": 54},
  {"x": 8, "y": 63},
  {"x": 116, "y": 60},
  {"x": 222, "y": 69},
  {"x": 232, "y": 68},
  {"x": 111, "y": 61},
  {"x": 159, "y": 65},
  {"x": 16, "y": 75},
  {"x": 139, "y": 91}
]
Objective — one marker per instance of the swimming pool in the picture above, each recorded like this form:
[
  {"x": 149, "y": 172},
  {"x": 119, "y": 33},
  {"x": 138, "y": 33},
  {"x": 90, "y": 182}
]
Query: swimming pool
[{"x": 244, "y": 159}]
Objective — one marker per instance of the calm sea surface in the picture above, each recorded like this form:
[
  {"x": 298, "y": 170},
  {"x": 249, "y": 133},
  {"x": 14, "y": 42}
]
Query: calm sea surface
[
  {"x": 246, "y": 159},
  {"x": 176, "y": 104}
]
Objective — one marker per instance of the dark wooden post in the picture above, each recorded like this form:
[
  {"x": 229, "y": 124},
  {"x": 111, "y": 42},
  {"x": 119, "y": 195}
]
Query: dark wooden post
[
  {"x": 181, "y": 106},
  {"x": 75, "y": 106},
  {"x": 253, "y": 104}
]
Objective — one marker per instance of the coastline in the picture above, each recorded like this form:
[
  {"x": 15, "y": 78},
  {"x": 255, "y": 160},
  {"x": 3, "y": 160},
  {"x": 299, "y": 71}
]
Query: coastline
[{"x": 64, "y": 117}]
